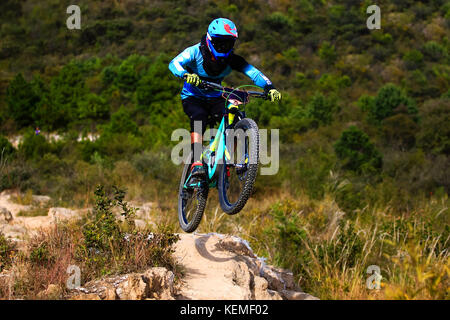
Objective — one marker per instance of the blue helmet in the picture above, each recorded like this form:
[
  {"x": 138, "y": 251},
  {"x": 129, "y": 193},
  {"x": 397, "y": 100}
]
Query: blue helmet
[{"x": 221, "y": 36}]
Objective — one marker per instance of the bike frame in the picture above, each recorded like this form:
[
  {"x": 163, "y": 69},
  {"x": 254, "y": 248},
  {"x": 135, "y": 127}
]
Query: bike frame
[{"x": 217, "y": 149}]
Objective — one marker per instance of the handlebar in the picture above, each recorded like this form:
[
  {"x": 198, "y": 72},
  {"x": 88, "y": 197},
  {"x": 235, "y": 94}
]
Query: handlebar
[{"x": 215, "y": 86}]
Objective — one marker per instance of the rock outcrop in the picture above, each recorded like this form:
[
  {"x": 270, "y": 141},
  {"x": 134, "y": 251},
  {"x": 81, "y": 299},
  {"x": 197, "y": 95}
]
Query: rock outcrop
[
  {"x": 224, "y": 267},
  {"x": 5, "y": 216},
  {"x": 154, "y": 283}
]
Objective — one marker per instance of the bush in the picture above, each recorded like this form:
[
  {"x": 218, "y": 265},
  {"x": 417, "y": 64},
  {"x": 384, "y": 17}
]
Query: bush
[
  {"x": 434, "y": 51},
  {"x": 99, "y": 244},
  {"x": 121, "y": 122},
  {"x": 34, "y": 146},
  {"x": 6, "y": 147},
  {"x": 357, "y": 152},
  {"x": 278, "y": 21},
  {"x": 327, "y": 53},
  {"x": 366, "y": 103},
  {"x": 93, "y": 107},
  {"x": 388, "y": 99},
  {"x": 65, "y": 92},
  {"x": 7, "y": 250},
  {"x": 413, "y": 59},
  {"x": 21, "y": 101},
  {"x": 400, "y": 131},
  {"x": 434, "y": 135},
  {"x": 313, "y": 170},
  {"x": 320, "y": 109},
  {"x": 117, "y": 247}
]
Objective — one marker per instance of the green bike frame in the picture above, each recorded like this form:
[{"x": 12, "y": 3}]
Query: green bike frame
[{"x": 217, "y": 149}]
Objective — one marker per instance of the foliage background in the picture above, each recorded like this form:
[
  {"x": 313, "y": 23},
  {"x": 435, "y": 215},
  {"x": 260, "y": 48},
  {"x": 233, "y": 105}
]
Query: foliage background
[{"x": 364, "y": 120}]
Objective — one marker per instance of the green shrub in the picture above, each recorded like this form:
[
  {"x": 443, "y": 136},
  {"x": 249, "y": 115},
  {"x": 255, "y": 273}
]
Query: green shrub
[
  {"x": 121, "y": 122},
  {"x": 366, "y": 102},
  {"x": 6, "y": 148},
  {"x": 34, "y": 146},
  {"x": 7, "y": 250},
  {"x": 112, "y": 246},
  {"x": 357, "y": 152},
  {"x": 327, "y": 53},
  {"x": 434, "y": 133},
  {"x": 66, "y": 90},
  {"x": 320, "y": 109},
  {"x": 21, "y": 101},
  {"x": 93, "y": 107},
  {"x": 349, "y": 198},
  {"x": 313, "y": 169},
  {"x": 388, "y": 99},
  {"x": 413, "y": 59},
  {"x": 278, "y": 21},
  {"x": 400, "y": 131},
  {"x": 434, "y": 51},
  {"x": 104, "y": 227}
]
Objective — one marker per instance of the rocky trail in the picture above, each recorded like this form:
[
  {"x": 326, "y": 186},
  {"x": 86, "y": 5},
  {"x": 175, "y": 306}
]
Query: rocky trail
[{"x": 216, "y": 266}]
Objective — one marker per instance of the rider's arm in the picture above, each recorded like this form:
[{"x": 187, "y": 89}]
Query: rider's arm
[
  {"x": 177, "y": 65},
  {"x": 240, "y": 64}
]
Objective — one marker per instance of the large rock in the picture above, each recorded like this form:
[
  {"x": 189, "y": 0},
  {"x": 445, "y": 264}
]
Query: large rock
[
  {"x": 296, "y": 295},
  {"x": 53, "y": 292},
  {"x": 133, "y": 288},
  {"x": 5, "y": 216},
  {"x": 155, "y": 283},
  {"x": 160, "y": 283},
  {"x": 279, "y": 279},
  {"x": 236, "y": 245},
  {"x": 85, "y": 296},
  {"x": 262, "y": 292}
]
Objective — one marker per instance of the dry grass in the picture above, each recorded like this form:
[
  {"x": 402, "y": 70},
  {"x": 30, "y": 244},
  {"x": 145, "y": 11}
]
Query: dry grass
[{"x": 330, "y": 252}]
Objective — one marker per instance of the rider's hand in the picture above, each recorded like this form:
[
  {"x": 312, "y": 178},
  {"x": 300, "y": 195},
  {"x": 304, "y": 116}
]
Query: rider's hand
[
  {"x": 274, "y": 95},
  {"x": 192, "y": 78}
]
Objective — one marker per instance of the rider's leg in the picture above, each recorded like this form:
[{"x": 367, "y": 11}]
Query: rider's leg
[{"x": 198, "y": 115}]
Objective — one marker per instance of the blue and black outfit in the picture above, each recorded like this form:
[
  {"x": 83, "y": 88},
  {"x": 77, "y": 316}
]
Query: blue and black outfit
[{"x": 199, "y": 104}]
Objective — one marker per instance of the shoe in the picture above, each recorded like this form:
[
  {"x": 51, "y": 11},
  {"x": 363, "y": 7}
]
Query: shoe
[{"x": 197, "y": 170}]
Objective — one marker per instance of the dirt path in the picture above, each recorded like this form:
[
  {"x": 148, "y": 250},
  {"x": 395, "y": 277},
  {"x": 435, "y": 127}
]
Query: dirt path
[{"x": 209, "y": 269}]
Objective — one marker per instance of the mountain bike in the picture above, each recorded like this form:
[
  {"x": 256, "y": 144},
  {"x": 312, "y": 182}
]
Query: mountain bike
[{"x": 230, "y": 161}]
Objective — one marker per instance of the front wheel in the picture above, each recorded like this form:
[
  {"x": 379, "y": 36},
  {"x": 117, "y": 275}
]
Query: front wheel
[
  {"x": 191, "y": 201},
  {"x": 238, "y": 174}
]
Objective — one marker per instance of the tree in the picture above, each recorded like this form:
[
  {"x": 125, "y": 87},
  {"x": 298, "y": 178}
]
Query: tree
[
  {"x": 6, "y": 147},
  {"x": 389, "y": 101},
  {"x": 357, "y": 152},
  {"x": 320, "y": 110},
  {"x": 21, "y": 101}
]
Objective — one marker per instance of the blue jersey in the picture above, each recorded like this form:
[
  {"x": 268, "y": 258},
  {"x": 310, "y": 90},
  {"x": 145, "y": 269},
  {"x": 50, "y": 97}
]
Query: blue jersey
[{"x": 191, "y": 60}]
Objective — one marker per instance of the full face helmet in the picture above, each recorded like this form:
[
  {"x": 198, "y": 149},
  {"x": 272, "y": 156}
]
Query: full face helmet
[{"x": 221, "y": 36}]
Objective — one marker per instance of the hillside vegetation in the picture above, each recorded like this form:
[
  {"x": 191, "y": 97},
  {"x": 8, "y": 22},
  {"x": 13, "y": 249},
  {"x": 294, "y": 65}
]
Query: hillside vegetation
[{"x": 364, "y": 126}]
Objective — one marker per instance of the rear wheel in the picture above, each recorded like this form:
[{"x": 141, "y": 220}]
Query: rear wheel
[
  {"x": 191, "y": 201},
  {"x": 237, "y": 177}
]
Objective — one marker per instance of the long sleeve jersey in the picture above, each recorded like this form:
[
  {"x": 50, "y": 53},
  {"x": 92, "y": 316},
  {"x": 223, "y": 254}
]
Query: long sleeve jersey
[{"x": 192, "y": 60}]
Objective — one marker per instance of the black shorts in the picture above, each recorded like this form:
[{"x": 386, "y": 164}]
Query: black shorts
[{"x": 208, "y": 112}]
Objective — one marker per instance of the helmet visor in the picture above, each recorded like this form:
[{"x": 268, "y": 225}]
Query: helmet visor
[{"x": 223, "y": 44}]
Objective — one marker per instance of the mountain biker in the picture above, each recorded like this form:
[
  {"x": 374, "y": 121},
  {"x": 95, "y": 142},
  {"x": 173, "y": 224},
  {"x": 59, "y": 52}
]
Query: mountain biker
[{"x": 212, "y": 60}]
